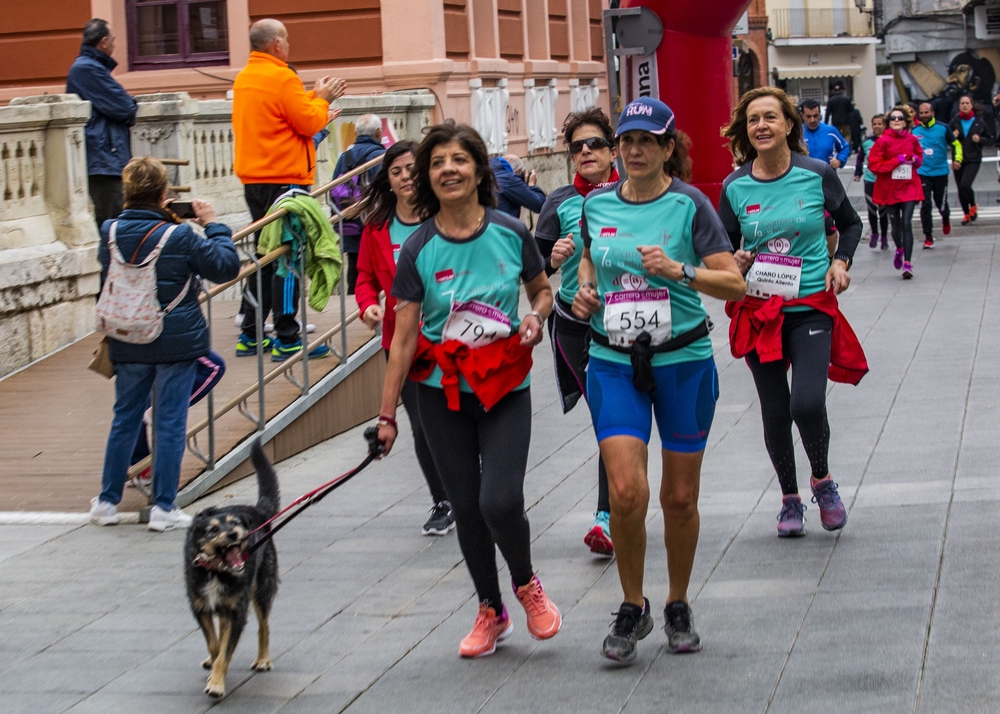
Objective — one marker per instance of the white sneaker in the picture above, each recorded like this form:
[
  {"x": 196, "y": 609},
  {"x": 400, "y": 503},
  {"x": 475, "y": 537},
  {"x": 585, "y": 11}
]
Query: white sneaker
[
  {"x": 103, "y": 513},
  {"x": 160, "y": 520}
]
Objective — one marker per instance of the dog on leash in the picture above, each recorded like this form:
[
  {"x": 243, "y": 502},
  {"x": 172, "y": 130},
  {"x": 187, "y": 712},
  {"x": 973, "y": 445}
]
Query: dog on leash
[{"x": 222, "y": 581}]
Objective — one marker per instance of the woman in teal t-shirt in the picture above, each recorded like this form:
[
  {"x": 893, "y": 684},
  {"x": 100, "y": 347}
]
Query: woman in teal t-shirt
[
  {"x": 458, "y": 284},
  {"x": 653, "y": 243}
]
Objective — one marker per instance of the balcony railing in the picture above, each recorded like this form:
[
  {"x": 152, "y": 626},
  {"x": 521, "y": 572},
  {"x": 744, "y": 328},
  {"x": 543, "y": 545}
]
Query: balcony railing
[{"x": 787, "y": 23}]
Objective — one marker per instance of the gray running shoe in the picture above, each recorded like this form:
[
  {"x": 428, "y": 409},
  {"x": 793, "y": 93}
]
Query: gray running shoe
[
  {"x": 631, "y": 625},
  {"x": 681, "y": 636}
]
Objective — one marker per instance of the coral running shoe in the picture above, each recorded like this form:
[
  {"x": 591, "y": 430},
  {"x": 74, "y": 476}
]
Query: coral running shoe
[
  {"x": 897, "y": 261},
  {"x": 973, "y": 211},
  {"x": 488, "y": 630},
  {"x": 790, "y": 517},
  {"x": 598, "y": 538},
  {"x": 966, "y": 219},
  {"x": 544, "y": 618},
  {"x": 832, "y": 512}
]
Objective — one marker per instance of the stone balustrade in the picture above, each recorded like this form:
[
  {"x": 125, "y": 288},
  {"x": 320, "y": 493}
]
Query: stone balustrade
[{"x": 49, "y": 275}]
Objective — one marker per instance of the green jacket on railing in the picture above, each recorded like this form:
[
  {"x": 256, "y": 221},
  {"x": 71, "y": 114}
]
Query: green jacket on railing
[{"x": 306, "y": 222}]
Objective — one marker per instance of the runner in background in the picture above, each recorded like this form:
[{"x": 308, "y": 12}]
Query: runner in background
[
  {"x": 878, "y": 216},
  {"x": 935, "y": 138},
  {"x": 392, "y": 219},
  {"x": 652, "y": 244},
  {"x": 969, "y": 129},
  {"x": 458, "y": 285},
  {"x": 590, "y": 139},
  {"x": 773, "y": 208}
]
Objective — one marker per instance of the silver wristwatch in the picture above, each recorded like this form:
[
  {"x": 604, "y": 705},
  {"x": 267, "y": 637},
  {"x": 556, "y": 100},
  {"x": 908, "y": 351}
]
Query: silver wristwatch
[{"x": 689, "y": 274}]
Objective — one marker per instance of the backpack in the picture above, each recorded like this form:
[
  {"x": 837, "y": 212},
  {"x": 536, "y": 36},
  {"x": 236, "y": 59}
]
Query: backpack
[
  {"x": 348, "y": 193},
  {"x": 128, "y": 309}
]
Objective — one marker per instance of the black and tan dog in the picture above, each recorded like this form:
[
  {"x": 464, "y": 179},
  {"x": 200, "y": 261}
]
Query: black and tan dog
[{"x": 222, "y": 581}]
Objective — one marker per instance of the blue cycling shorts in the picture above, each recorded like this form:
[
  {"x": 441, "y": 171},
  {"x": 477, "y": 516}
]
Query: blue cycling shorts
[{"x": 683, "y": 402}]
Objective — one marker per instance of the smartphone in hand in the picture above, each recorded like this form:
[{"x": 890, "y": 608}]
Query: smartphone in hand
[{"x": 183, "y": 209}]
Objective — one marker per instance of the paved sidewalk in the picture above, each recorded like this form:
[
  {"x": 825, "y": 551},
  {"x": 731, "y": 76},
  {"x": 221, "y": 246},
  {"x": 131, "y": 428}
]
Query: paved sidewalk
[{"x": 895, "y": 614}]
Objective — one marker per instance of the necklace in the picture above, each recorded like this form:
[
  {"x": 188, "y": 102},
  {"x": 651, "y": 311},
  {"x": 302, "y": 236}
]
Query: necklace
[{"x": 437, "y": 222}]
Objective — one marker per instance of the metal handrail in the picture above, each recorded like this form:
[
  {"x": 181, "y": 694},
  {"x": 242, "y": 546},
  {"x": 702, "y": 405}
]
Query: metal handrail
[{"x": 254, "y": 268}]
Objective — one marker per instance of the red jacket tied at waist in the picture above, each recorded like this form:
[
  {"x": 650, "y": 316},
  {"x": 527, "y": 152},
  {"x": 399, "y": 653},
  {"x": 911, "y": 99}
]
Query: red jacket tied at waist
[
  {"x": 756, "y": 325},
  {"x": 492, "y": 371}
]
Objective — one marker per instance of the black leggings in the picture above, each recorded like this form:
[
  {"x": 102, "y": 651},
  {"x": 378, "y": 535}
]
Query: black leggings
[
  {"x": 964, "y": 176},
  {"x": 805, "y": 341},
  {"x": 482, "y": 456},
  {"x": 935, "y": 194},
  {"x": 901, "y": 218},
  {"x": 424, "y": 457},
  {"x": 877, "y": 215}
]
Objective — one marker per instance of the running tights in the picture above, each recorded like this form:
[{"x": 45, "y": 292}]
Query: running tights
[
  {"x": 481, "y": 457},
  {"x": 964, "y": 177},
  {"x": 901, "y": 218},
  {"x": 878, "y": 216},
  {"x": 805, "y": 338}
]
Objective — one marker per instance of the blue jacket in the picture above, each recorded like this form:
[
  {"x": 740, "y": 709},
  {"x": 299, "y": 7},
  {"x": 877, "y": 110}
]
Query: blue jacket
[
  {"x": 186, "y": 254},
  {"x": 935, "y": 138},
  {"x": 825, "y": 143},
  {"x": 514, "y": 192},
  {"x": 112, "y": 111},
  {"x": 363, "y": 150}
]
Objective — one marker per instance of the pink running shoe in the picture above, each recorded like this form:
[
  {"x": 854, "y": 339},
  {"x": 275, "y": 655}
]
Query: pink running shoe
[
  {"x": 488, "y": 630},
  {"x": 544, "y": 618},
  {"x": 832, "y": 511},
  {"x": 790, "y": 517}
]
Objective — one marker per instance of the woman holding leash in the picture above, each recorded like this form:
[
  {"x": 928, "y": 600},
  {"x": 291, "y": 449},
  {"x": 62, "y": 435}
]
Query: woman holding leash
[
  {"x": 652, "y": 243},
  {"x": 773, "y": 208},
  {"x": 459, "y": 334},
  {"x": 392, "y": 219},
  {"x": 590, "y": 139}
]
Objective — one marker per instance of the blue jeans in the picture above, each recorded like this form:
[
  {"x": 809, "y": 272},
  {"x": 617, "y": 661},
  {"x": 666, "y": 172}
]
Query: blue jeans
[{"x": 133, "y": 386}]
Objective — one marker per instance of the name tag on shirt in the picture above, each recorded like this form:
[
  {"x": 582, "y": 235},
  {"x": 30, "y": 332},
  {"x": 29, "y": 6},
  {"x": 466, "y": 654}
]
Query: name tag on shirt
[
  {"x": 903, "y": 172},
  {"x": 775, "y": 275},
  {"x": 475, "y": 324},
  {"x": 627, "y": 313}
]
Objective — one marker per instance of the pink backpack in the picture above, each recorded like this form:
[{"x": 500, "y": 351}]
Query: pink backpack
[{"x": 128, "y": 309}]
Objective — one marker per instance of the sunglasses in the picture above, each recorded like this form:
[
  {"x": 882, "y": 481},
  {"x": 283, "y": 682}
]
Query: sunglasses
[
  {"x": 897, "y": 117},
  {"x": 593, "y": 143}
]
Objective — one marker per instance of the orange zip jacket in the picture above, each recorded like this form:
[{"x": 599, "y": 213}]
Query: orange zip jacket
[{"x": 274, "y": 120}]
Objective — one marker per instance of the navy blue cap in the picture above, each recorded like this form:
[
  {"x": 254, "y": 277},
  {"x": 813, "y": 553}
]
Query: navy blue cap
[{"x": 646, "y": 114}]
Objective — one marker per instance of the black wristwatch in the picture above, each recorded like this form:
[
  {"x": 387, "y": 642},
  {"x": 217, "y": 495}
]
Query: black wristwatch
[{"x": 689, "y": 274}]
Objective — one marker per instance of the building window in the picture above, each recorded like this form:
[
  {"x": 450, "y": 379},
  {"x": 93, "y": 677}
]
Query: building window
[{"x": 177, "y": 33}]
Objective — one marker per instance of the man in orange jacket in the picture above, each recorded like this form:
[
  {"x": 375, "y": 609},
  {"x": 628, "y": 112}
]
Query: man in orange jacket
[{"x": 274, "y": 120}]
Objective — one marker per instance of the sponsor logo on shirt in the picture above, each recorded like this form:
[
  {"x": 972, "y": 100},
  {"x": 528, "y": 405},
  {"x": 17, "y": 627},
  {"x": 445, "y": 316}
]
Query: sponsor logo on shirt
[
  {"x": 396, "y": 247},
  {"x": 443, "y": 276},
  {"x": 755, "y": 208},
  {"x": 780, "y": 245},
  {"x": 609, "y": 232}
]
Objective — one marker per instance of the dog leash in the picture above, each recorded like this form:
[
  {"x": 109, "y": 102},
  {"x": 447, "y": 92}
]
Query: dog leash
[{"x": 375, "y": 449}]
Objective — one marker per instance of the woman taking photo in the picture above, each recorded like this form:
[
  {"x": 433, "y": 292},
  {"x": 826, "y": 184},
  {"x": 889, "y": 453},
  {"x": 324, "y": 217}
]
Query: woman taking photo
[
  {"x": 652, "y": 243},
  {"x": 590, "y": 139},
  {"x": 392, "y": 219},
  {"x": 894, "y": 159},
  {"x": 969, "y": 129},
  {"x": 773, "y": 208},
  {"x": 458, "y": 284}
]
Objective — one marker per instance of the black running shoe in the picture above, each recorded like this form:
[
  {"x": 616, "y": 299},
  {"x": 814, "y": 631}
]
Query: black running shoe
[
  {"x": 441, "y": 520},
  {"x": 631, "y": 625},
  {"x": 681, "y": 636}
]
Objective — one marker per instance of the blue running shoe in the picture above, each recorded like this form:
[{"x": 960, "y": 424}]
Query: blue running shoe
[
  {"x": 832, "y": 511},
  {"x": 790, "y": 517},
  {"x": 247, "y": 347},
  {"x": 280, "y": 351}
]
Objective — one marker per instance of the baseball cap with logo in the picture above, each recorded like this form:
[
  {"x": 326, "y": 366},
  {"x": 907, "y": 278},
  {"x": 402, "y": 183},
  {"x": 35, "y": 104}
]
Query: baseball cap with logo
[{"x": 646, "y": 114}]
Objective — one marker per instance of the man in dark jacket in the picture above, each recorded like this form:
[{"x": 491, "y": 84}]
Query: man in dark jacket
[
  {"x": 367, "y": 145},
  {"x": 838, "y": 111},
  {"x": 517, "y": 189},
  {"x": 112, "y": 113}
]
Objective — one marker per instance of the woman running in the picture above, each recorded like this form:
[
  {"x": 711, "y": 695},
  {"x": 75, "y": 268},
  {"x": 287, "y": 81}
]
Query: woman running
[
  {"x": 894, "y": 159},
  {"x": 969, "y": 129},
  {"x": 392, "y": 219},
  {"x": 773, "y": 208},
  {"x": 878, "y": 216},
  {"x": 651, "y": 244},
  {"x": 589, "y": 136},
  {"x": 458, "y": 334}
]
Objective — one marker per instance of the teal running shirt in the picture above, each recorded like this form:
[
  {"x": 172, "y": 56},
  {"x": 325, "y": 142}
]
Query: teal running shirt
[
  {"x": 468, "y": 289},
  {"x": 682, "y": 222},
  {"x": 560, "y": 216},
  {"x": 398, "y": 233},
  {"x": 782, "y": 221}
]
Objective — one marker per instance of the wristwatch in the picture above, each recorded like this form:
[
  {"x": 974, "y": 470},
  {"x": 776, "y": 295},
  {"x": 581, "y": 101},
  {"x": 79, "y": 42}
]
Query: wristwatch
[{"x": 689, "y": 274}]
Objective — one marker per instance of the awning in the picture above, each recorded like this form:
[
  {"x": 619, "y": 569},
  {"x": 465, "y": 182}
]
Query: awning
[{"x": 818, "y": 70}]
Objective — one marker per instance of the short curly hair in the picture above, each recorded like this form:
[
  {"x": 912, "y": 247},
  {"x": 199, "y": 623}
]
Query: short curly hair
[
  {"x": 594, "y": 116},
  {"x": 144, "y": 179}
]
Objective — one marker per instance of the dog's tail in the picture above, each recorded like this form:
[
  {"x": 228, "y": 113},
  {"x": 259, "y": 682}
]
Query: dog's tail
[{"x": 269, "y": 498}]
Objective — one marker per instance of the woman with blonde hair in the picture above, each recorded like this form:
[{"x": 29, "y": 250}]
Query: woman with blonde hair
[{"x": 773, "y": 206}]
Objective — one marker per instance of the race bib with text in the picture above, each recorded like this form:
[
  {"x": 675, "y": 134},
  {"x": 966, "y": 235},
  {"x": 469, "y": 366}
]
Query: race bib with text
[
  {"x": 630, "y": 312},
  {"x": 475, "y": 324},
  {"x": 903, "y": 172},
  {"x": 775, "y": 275}
]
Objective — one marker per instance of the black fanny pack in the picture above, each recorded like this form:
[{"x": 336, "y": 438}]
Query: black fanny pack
[{"x": 641, "y": 351}]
